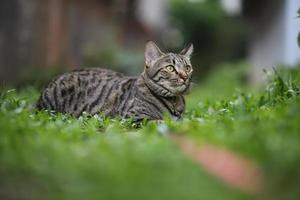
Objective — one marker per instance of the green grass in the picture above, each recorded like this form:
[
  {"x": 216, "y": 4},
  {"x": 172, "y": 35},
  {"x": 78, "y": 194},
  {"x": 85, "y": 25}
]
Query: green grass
[{"x": 49, "y": 156}]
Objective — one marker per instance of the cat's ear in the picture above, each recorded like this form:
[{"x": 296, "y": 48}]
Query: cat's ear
[
  {"x": 152, "y": 52},
  {"x": 188, "y": 51}
]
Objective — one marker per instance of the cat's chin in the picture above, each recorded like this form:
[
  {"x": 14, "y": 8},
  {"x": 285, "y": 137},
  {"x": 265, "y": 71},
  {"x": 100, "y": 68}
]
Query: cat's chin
[
  {"x": 179, "y": 90},
  {"x": 183, "y": 89}
]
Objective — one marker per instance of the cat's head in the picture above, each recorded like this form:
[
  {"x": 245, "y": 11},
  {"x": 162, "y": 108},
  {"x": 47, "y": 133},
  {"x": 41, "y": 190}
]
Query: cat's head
[{"x": 168, "y": 74}]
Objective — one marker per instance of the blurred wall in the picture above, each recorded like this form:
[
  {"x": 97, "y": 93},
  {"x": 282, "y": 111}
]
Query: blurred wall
[
  {"x": 274, "y": 27},
  {"x": 16, "y": 36},
  {"x": 44, "y": 34}
]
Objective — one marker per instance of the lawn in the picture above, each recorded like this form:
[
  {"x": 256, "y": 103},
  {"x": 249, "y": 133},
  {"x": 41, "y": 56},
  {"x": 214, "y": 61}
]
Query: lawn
[{"x": 54, "y": 156}]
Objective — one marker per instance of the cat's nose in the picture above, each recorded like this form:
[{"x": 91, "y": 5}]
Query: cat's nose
[{"x": 183, "y": 76}]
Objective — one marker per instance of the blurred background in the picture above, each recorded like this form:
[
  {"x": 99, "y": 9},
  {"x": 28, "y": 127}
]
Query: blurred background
[
  {"x": 39, "y": 39},
  {"x": 58, "y": 157}
]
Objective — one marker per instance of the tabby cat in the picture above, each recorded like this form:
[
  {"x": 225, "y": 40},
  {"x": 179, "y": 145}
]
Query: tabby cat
[{"x": 158, "y": 90}]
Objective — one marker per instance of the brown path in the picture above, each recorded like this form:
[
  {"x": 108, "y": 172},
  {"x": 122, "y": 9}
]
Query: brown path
[{"x": 224, "y": 164}]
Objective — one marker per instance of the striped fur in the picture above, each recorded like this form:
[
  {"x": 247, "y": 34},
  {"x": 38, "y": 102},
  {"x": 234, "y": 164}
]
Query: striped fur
[{"x": 158, "y": 90}]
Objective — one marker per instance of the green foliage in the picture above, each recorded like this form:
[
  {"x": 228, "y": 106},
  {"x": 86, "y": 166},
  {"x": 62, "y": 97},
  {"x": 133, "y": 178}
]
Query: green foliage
[
  {"x": 50, "y": 156},
  {"x": 54, "y": 156},
  {"x": 262, "y": 125},
  {"x": 216, "y": 36}
]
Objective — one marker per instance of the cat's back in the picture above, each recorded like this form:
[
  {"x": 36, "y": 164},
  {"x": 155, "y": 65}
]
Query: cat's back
[
  {"x": 90, "y": 90},
  {"x": 91, "y": 74}
]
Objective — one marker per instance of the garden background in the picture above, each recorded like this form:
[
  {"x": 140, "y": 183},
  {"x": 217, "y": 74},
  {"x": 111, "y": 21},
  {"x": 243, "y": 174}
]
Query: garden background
[{"x": 239, "y": 137}]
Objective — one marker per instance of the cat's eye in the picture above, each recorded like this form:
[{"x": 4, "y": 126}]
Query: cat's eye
[
  {"x": 188, "y": 68},
  {"x": 170, "y": 68}
]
